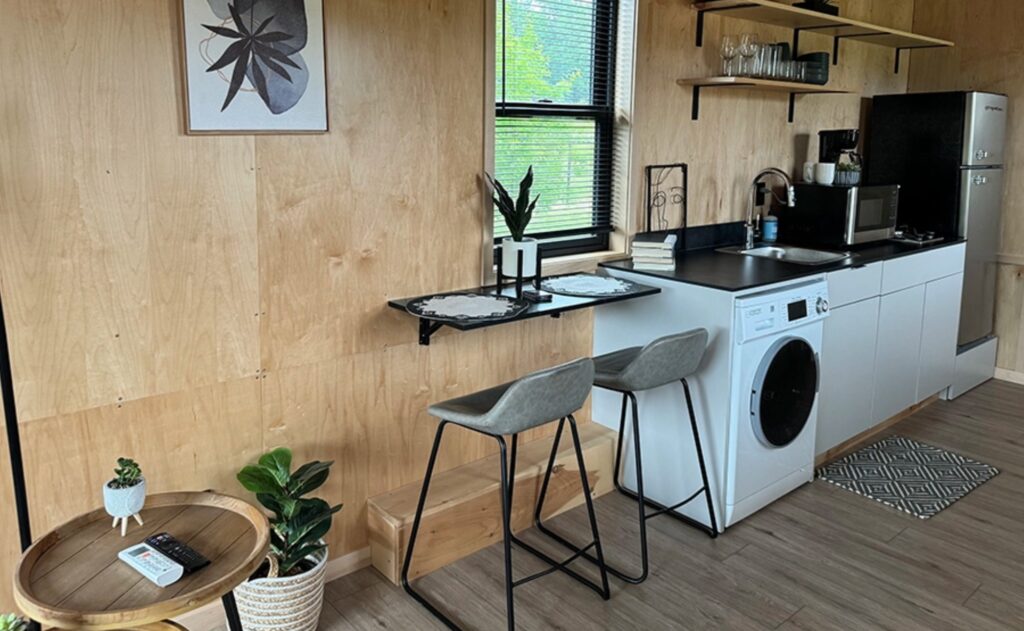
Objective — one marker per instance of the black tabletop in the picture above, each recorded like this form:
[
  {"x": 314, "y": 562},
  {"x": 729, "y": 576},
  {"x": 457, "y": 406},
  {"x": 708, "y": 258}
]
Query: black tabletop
[
  {"x": 733, "y": 272},
  {"x": 559, "y": 304}
]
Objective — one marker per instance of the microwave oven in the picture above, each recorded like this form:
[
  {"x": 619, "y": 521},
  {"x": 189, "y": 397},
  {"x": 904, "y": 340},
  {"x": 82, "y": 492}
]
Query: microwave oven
[{"x": 840, "y": 216}]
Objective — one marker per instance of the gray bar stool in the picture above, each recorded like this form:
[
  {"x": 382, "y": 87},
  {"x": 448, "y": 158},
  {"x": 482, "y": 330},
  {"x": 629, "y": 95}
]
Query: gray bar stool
[
  {"x": 537, "y": 399},
  {"x": 663, "y": 361}
]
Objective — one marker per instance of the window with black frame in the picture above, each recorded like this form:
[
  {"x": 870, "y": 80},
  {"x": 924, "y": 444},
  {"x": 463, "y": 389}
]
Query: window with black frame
[{"x": 555, "y": 111}]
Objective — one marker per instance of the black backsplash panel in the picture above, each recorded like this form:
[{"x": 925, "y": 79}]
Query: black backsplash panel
[{"x": 702, "y": 237}]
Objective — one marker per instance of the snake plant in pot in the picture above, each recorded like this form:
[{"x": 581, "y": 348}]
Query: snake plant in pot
[
  {"x": 287, "y": 592},
  {"x": 517, "y": 215}
]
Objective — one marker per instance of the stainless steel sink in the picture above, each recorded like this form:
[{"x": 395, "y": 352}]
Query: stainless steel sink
[{"x": 789, "y": 254}]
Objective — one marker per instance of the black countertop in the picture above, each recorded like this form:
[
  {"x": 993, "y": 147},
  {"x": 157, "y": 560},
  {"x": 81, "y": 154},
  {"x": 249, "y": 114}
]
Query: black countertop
[{"x": 736, "y": 272}]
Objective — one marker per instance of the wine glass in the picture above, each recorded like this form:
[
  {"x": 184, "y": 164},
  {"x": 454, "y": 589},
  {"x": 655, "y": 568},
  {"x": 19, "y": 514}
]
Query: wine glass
[
  {"x": 729, "y": 49},
  {"x": 747, "y": 49}
]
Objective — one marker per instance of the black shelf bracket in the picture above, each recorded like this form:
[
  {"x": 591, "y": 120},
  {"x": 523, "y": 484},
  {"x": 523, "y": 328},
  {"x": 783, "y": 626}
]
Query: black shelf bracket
[
  {"x": 427, "y": 329},
  {"x": 695, "y": 108},
  {"x": 700, "y": 18},
  {"x": 792, "y": 107}
]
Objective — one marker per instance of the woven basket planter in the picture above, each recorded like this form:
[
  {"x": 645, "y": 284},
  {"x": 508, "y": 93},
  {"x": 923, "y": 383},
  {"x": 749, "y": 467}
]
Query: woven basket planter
[{"x": 283, "y": 603}]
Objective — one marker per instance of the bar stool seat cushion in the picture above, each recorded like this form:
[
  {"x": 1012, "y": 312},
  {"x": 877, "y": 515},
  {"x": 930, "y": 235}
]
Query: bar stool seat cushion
[
  {"x": 534, "y": 400},
  {"x": 663, "y": 361}
]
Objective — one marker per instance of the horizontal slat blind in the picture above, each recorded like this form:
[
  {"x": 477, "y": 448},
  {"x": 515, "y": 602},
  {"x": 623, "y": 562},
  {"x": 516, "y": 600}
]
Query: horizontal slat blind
[{"x": 555, "y": 63}]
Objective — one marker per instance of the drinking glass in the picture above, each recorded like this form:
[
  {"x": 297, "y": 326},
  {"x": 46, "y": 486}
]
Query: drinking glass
[
  {"x": 728, "y": 50},
  {"x": 747, "y": 48}
]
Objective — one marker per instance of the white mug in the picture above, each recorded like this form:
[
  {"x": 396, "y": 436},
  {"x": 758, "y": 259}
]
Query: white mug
[
  {"x": 825, "y": 173},
  {"x": 809, "y": 172}
]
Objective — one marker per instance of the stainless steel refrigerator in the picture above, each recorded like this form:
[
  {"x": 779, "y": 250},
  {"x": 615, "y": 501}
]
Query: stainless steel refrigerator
[{"x": 946, "y": 151}]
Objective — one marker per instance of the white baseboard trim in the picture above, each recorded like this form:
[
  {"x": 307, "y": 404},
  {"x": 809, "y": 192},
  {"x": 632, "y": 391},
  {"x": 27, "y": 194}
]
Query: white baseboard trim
[
  {"x": 1010, "y": 375},
  {"x": 211, "y": 616}
]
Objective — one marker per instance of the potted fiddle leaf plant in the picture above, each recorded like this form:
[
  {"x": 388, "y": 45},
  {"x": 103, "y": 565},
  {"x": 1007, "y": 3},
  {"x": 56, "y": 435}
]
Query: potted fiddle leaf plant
[
  {"x": 287, "y": 591},
  {"x": 517, "y": 215},
  {"x": 125, "y": 495},
  {"x": 12, "y": 622}
]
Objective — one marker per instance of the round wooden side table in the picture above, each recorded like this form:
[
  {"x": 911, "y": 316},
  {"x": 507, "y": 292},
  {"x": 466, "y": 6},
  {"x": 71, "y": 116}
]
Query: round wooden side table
[{"x": 71, "y": 578}]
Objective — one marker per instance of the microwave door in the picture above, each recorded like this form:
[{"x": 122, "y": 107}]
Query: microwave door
[{"x": 873, "y": 219}]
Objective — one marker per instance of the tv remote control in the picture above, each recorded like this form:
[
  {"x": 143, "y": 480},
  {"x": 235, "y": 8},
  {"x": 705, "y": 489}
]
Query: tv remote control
[
  {"x": 178, "y": 552},
  {"x": 152, "y": 564}
]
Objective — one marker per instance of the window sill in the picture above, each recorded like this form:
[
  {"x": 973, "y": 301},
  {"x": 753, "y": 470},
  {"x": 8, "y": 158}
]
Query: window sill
[{"x": 570, "y": 264}]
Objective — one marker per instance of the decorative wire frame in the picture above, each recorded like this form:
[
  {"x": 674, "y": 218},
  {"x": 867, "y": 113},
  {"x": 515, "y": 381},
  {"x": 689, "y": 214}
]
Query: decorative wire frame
[{"x": 666, "y": 188}]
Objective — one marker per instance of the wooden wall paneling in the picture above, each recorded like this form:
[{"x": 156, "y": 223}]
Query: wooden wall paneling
[
  {"x": 989, "y": 56},
  {"x": 133, "y": 268},
  {"x": 1010, "y": 317},
  {"x": 196, "y": 439},
  {"x": 10, "y": 547},
  {"x": 386, "y": 205},
  {"x": 741, "y": 132}
]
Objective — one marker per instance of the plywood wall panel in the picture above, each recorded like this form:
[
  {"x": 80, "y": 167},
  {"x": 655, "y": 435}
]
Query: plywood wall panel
[
  {"x": 388, "y": 204},
  {"x": 132, "y": 257}
]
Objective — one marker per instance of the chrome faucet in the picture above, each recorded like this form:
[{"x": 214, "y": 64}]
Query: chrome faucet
[{"x": 754, "y": 187}]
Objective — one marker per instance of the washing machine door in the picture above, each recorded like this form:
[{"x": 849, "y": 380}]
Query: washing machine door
[{"x": 784, "y": 390}]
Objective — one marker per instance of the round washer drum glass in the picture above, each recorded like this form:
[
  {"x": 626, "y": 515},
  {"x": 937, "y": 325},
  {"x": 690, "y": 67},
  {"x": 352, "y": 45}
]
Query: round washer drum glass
[{"x": 784, "y": 391}]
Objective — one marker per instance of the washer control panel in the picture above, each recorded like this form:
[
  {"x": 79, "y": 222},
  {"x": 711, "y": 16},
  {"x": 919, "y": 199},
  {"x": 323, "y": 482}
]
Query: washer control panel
[{"x": 781, "y": 309}]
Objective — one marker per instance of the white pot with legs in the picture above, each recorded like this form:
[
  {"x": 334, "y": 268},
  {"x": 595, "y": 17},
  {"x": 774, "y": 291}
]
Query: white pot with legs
[{"x": 510, "y": 250}]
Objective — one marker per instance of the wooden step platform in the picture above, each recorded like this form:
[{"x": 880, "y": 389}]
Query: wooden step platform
[{"x": 463, "y": 511}]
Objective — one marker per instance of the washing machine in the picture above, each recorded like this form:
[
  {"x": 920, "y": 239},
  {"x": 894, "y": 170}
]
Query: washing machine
[{"x": 774, "y": 395}]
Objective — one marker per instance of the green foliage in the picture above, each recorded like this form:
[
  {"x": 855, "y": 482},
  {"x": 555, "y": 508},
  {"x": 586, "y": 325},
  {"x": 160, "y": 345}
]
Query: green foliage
[
  {"x": 298, "y": 523},
  {"x": 12, "y": 622},
  {"x": 851, "y": 167},
  {"x": 128, "y": 474},
  {"x": 517, "y": 214},
  {"x": 543, "y": 62}
]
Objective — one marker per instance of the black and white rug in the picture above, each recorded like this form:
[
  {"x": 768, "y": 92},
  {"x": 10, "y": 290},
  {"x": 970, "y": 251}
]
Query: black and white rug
[{"x": 913, "y": 477}]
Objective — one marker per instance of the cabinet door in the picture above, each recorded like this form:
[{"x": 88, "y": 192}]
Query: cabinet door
[
  {"x": 898, "y": 358},
  {"x": 939, "y": 334},
  {"x": 847, "y": 373}
]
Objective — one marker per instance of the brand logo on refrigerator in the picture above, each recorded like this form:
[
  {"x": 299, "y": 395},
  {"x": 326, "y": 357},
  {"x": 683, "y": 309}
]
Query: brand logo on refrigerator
[{"x": 993, "y": 108}]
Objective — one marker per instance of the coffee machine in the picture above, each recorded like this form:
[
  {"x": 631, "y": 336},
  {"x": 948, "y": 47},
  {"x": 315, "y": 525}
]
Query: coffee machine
[{"x": 832, "y": 144}]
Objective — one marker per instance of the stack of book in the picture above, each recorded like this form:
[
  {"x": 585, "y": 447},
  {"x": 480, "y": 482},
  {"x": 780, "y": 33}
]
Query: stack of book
[{"x": 654, "y": 252}]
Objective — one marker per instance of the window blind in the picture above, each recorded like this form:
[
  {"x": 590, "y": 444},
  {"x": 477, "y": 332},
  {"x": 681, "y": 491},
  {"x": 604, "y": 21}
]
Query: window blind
[{"x": 555, "y": 111}]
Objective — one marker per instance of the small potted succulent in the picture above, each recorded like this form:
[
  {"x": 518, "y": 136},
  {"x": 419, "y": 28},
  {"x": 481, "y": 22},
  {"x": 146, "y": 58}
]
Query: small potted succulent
[
  {"x": 12, "y": 622},
  {"x": 287, "y": 591},
  {"x": 517, "y": 216},
  {"x": 847, "y": 174},
  {"x": 125, "y": 495}
]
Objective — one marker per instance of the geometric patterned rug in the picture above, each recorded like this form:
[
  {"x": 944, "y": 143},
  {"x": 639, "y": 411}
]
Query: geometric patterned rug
[{"x": 913, "y": 477}]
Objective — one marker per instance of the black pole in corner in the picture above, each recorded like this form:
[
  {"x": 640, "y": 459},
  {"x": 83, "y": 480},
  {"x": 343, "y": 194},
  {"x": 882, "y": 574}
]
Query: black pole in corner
[{"x": 14, "y": 441}]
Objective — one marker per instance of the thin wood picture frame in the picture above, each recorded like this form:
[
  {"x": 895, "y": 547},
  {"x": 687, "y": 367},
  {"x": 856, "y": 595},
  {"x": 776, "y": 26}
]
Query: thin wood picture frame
[{"x": 254, "y": 67}]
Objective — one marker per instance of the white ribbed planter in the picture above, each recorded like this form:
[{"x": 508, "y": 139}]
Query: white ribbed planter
[
  {"x": 288, "y": 603},
  {"x": 123, "y": 503}
]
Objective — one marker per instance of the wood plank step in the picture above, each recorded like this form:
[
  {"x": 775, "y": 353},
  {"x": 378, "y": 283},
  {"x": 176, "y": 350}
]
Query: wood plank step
[{"x": 463, "y": 511}]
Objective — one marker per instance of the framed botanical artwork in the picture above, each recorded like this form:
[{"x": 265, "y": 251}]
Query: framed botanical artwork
[{"x": 255, "y": 66}]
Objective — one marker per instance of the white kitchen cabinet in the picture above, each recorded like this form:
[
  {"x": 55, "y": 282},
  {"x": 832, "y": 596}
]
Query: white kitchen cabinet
[
  {"x": 847, "y": 373},
  {"x": 939, "y": 335},
  {"x": 898, "y": 359}
]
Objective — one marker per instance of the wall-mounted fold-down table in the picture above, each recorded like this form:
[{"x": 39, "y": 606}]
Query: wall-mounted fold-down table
[{"x": 516, "y": 309}]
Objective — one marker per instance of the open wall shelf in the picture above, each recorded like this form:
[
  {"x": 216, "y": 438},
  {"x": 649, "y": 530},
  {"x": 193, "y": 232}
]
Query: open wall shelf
[
  {"x": 840, "y": 28},
  {"x": 748, "y": 83}
]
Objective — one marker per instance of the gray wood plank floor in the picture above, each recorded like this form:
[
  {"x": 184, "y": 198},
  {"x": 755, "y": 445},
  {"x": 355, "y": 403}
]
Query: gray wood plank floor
[{"x": 822, "y": 558}]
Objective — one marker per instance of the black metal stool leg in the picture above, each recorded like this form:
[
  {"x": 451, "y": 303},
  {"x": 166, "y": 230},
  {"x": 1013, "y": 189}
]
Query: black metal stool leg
[
  {"x": 231, "y": 611},
  {"x": 713, "y": 532},
  {"x": 415, "y": 532},
  {"x": 508, "y": 479},
  {"x": 598, "y": 550}
]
